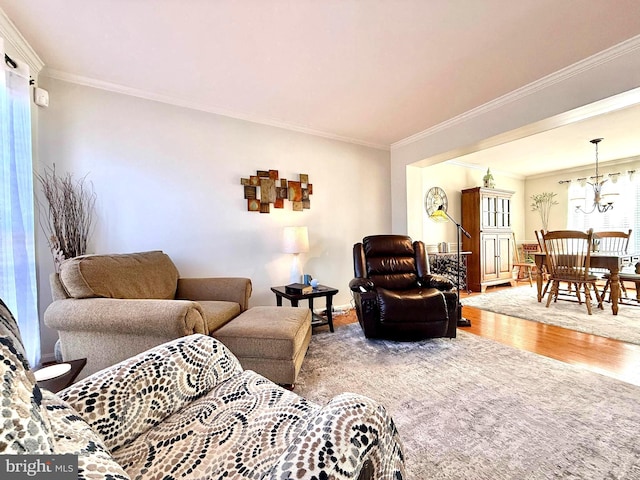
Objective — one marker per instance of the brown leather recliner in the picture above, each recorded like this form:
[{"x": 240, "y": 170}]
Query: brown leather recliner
[{"x": 396, "y": 296}]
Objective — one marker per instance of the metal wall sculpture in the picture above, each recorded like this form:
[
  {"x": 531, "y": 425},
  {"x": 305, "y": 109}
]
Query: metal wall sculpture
[{"x": 266, "y": 188}]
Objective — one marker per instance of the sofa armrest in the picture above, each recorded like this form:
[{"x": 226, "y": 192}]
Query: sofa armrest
[
  {"x": 349, "y": 435},
  {"x": 165, "y": 318},
  {"x": 124, "y": 401},
  {"x": 229, "y": 289}
]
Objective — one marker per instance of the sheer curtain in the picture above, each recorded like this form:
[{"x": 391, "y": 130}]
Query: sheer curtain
[
  {"x": 17, "y": 250},
  {"x": 624, "y": 215}
]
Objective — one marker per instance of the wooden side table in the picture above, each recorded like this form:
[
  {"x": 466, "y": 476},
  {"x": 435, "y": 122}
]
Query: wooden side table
[
  {"x": 61, "y": 382},
  {"x": 321, "y": 291}
]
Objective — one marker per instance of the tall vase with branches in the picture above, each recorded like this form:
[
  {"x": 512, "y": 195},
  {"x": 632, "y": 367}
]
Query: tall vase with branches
[
  {"x": 67, "y": 217},
  {"x": 542, "y": 203}
]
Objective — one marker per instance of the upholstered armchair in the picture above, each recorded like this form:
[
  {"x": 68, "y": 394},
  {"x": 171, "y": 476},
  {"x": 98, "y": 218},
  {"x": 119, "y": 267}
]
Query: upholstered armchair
[
  {"x": 187, "y": 410},
  {"x": 396, "y": 296},
  {"x": 108, "y": 308}
]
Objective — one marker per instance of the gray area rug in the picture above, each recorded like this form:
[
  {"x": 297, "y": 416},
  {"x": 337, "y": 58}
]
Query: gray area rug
[
  {"x": 522, "y": 302},
  {"x": 471, "y": 408}
]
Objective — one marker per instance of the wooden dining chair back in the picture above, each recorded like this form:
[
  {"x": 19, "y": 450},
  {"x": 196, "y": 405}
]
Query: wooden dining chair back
[
  {"x": 545, "y": 267},
  {"x": 568, "y": 255},
  {"x": 611, "y": 241}
]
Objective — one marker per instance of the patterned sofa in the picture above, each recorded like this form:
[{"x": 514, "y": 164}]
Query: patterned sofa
[{"x": 186, "y": 409}]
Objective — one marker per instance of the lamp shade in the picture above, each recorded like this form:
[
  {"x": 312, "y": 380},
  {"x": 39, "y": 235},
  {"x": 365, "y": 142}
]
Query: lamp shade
[
  {"x": 439, "y": 216},
  {"x": 295, "y": 240}
]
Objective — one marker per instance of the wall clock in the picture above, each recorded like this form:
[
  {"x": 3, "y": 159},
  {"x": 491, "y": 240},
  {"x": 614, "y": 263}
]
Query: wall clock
[{"x": 433, "y": 199}]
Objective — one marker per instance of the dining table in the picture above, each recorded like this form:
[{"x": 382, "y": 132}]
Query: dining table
[{"x": 611, "y": 261}]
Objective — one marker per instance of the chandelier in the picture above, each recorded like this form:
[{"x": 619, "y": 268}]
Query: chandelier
[{"x": 601, "y": 202}]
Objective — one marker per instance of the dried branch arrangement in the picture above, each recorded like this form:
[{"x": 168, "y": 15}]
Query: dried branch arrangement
[
  {"x": 542, "y": 203},
  {"x": 69, "y": 213}
]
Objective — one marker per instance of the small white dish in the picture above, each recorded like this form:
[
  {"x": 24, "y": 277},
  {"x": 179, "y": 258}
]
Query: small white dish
[{"x": 52, "y": 371}]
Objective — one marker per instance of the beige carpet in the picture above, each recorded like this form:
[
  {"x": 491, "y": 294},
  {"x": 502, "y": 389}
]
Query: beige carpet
[
  {"x": 521, "y": 302},
  {"x": 471, "y": 408}
]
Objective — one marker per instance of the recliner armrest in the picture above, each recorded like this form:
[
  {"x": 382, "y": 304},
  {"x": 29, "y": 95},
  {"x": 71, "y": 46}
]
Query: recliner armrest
[
  {"x": 361, "y": 285},
  {"x": 124, "y": 401},
  {"x": 439, "y": 282},
  {"x": 229, "y": 289}
]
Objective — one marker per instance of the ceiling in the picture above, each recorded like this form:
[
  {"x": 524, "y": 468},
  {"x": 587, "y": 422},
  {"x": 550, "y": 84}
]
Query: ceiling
[
  {"x": 372, "y": 72},
  {"x": 566, "y": 147}
]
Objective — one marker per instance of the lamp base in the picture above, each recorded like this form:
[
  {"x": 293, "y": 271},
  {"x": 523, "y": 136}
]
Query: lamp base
[
  {"x": 464, "y": 322},
  {"x": 295, "y": 274}
]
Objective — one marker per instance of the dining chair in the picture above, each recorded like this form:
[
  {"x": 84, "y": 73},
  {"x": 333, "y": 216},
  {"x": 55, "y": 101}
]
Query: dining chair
[
  {"x": 612, "y": 241},
  {"x": 615, "y": 241},
  {"x": 568, "y": 255},
  {"x": 546, "y": 269},
  {"x": 522, "y": 265}
]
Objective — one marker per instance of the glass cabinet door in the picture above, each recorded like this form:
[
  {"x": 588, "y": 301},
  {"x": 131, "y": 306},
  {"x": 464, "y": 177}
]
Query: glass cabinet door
[
  {"x": 489, "y": 210},
  {"x": 504, "y": 214},
  {"x": 496, "y": 212}
]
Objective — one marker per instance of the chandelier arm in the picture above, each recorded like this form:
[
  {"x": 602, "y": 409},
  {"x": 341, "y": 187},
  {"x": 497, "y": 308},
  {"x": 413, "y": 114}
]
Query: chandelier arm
[
  {"x": 580, "y": 209},
  {"x": 597, "y": 188}
]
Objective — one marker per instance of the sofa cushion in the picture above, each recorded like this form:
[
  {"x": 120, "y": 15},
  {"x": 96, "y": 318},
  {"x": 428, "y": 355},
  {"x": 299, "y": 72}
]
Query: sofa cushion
[
  {"x": 150, "y": 275},
  {"x": 238, "y": 430},
  {"x": 122, "y": 402},
  {"x": 9, "y": 328},
  {"x": 218, "y": 313},
  {"x": 24, "y": 427}
]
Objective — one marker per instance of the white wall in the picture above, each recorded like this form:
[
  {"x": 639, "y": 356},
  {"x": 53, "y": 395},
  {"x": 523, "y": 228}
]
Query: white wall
[{"x": 169, "y": 178}]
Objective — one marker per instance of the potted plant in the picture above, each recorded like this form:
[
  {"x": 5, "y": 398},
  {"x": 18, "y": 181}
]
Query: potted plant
[{"x": 542, "y": 203}]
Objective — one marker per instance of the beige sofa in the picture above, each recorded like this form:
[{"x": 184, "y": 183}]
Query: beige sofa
[{"x": 108, "y": 308}]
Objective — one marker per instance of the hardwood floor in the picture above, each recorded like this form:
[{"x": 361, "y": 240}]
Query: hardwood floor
[{"x": 602, "y": 355}]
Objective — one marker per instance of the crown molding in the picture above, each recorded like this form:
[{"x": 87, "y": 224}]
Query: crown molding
[
  {"x": 582, "y": 66},
  {"x": 134, "y": 92},
  {"x": 12, "y": 35}
]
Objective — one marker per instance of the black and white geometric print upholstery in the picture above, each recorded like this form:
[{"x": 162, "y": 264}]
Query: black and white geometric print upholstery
[{"x": 186, "y": 409}]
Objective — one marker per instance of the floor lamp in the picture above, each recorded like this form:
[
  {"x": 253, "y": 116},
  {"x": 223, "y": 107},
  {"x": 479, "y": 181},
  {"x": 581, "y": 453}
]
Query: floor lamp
[{"x": 441, "y": 215}]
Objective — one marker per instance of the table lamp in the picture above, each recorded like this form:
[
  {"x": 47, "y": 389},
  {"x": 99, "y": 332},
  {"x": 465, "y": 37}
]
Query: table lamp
[{"x": 295, "y": 240}]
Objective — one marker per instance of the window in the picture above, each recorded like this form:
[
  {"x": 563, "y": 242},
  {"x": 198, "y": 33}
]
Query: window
[
  {"x": 624, "y": 215},
  {"x": 17, "y": 251}
]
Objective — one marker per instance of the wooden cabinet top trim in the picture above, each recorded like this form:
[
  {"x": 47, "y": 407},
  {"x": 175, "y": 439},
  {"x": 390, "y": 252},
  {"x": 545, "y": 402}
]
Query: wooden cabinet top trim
[{"x": 494, "y": 191}]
